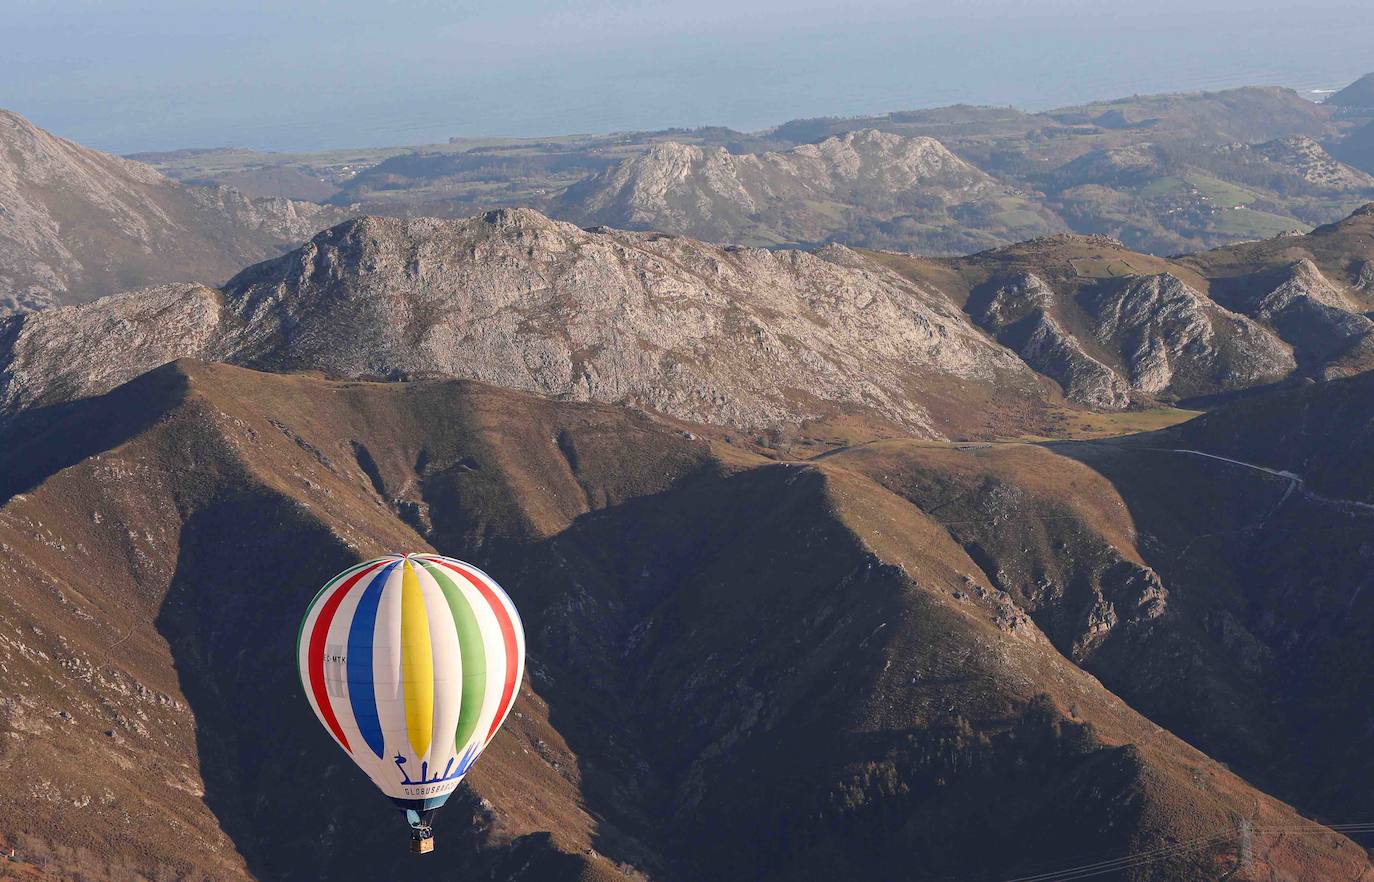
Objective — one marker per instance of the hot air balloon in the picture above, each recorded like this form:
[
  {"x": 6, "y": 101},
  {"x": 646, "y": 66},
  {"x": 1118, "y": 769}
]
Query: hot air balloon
[{"x": 412, "y": 662}]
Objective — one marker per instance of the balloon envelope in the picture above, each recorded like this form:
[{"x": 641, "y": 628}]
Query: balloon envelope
[{"x": 411, "y": 663}]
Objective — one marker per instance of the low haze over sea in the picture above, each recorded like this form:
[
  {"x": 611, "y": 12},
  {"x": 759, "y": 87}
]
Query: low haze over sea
[{"x": 214, "y": 79}]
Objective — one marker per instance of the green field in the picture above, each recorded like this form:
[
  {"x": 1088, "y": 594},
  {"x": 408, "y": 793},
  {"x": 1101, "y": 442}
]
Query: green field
[
  {"x": 1082, "y": 425},
  {"x": 1214, "y": 190},
  {"x": 1248, "y": 223}
]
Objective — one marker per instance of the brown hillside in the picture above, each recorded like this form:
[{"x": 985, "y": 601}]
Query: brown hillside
[{"x": 739, "y": 668}]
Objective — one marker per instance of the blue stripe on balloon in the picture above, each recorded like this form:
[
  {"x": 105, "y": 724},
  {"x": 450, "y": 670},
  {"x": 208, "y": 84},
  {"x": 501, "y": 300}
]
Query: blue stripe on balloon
[{"x": 362, "y": 695}]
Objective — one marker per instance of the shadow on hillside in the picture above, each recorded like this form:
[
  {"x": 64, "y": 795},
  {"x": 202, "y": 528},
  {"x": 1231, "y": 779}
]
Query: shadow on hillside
[
  {"x": 659, "y": 621},
  {"x": 1269, "y": 588},
  {"x": 1220, "y": 399},
  {"x": 36, "y": 444},
  {"x": 602, "y": 603},
  {"x": 293, "y": 804}
]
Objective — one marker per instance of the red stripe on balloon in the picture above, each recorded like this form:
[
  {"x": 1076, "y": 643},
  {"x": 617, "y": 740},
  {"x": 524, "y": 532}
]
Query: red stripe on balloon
[
  {"x": 507, "y": 637},
  {"x": 315, "y": 653}
]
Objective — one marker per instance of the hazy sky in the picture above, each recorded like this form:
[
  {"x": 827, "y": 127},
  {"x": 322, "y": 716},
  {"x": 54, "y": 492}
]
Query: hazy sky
[{"x": 310, "y": 74}]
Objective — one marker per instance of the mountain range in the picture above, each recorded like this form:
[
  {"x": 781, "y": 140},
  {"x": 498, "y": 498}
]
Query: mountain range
[
  {"x": 686, "y": 461},
  {"x": 742, "y": 337},
  {"x": 1007, "y": 643},
  {"x": 1044, "y": 562},
  {"x": 1109, "y": 324},
  {"x": 866, "y": 186},
  {"x": 979, "y": 346},
  {"x": 1163, "y": 173}
]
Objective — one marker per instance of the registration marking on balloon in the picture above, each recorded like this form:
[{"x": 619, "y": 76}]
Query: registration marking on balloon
[{"x": 412, "y": 663}]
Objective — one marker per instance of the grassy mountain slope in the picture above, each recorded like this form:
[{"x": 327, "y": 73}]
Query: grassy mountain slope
[{"x": 739, "y": 667}]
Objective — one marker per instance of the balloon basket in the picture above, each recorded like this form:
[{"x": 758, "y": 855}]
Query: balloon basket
[{"x": 421, "y": 833}]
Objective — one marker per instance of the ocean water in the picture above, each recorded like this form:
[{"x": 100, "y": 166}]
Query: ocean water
[{"x": 156, "y": 75}]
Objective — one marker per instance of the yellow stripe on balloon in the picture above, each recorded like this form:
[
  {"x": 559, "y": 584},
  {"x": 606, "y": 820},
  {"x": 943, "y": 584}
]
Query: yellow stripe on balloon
[{"x": 417, "y": 663}]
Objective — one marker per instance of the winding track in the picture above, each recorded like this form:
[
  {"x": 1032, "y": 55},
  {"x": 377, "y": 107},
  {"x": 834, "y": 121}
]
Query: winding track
[{"x": 1296, "y": 482}]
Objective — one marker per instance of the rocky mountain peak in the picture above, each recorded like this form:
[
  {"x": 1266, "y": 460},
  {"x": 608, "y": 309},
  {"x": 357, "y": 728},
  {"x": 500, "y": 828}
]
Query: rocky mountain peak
[
  {"x": 841, "y": 255},
  {"x": 739, "y": 337},
  {"x": 1364, "y": 277},
  {"x": 1109, "y": 337},
  {"x": 913, "y": 159},
  {"x": 676, "y": 151},
  {"x": 859, "y": 178},
  {"x": 1310, "y": 161},
  {"x": 1022, "y": 314},
  {"x": 1015, "y": 295},
  {"x": 76, "y": 224},
  {"x": 34, "y": 156},
  {"x": 523, "y": 219}
]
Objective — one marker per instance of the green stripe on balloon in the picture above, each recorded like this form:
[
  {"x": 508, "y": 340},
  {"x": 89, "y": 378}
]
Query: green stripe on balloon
[{"x": 473, "y": 652}]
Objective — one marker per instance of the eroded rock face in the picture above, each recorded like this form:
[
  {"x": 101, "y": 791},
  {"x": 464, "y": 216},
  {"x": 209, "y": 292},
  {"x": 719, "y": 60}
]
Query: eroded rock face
[
  {"x": 72, "y": 352},
  {"x": 663, "y": 186},
  {"x": 1020, "y": 315},
  {"x": 1310, "y": 161},
  {"x": 1144, "y": 337},
  {"x": 77, "y": 224},
  {"x": 1083, "y": 378},
  {"x": 1305, "y": 281},
  {"x": 1364, "y": 279},
  {"x": 1124, "y": 593},
  {"x": 848, "y": 186},
  {"x": 738, "y": 337},
  {"x": 1172, "y": 339},
  {"x": 1312, "y": 314}
]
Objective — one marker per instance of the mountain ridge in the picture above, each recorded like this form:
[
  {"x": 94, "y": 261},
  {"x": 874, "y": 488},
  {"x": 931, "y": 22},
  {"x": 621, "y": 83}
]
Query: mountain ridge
[
  {"x": 1358, "y": 94},
  {"x": 930, "y": 686},
  {"x": 518, "y": 299},
  {"x": 78, "y": 224},
  {"x": 741, "y": 337},
  {"x": 1110, "y": 324},
  {"x": 833, "y": 189}
]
